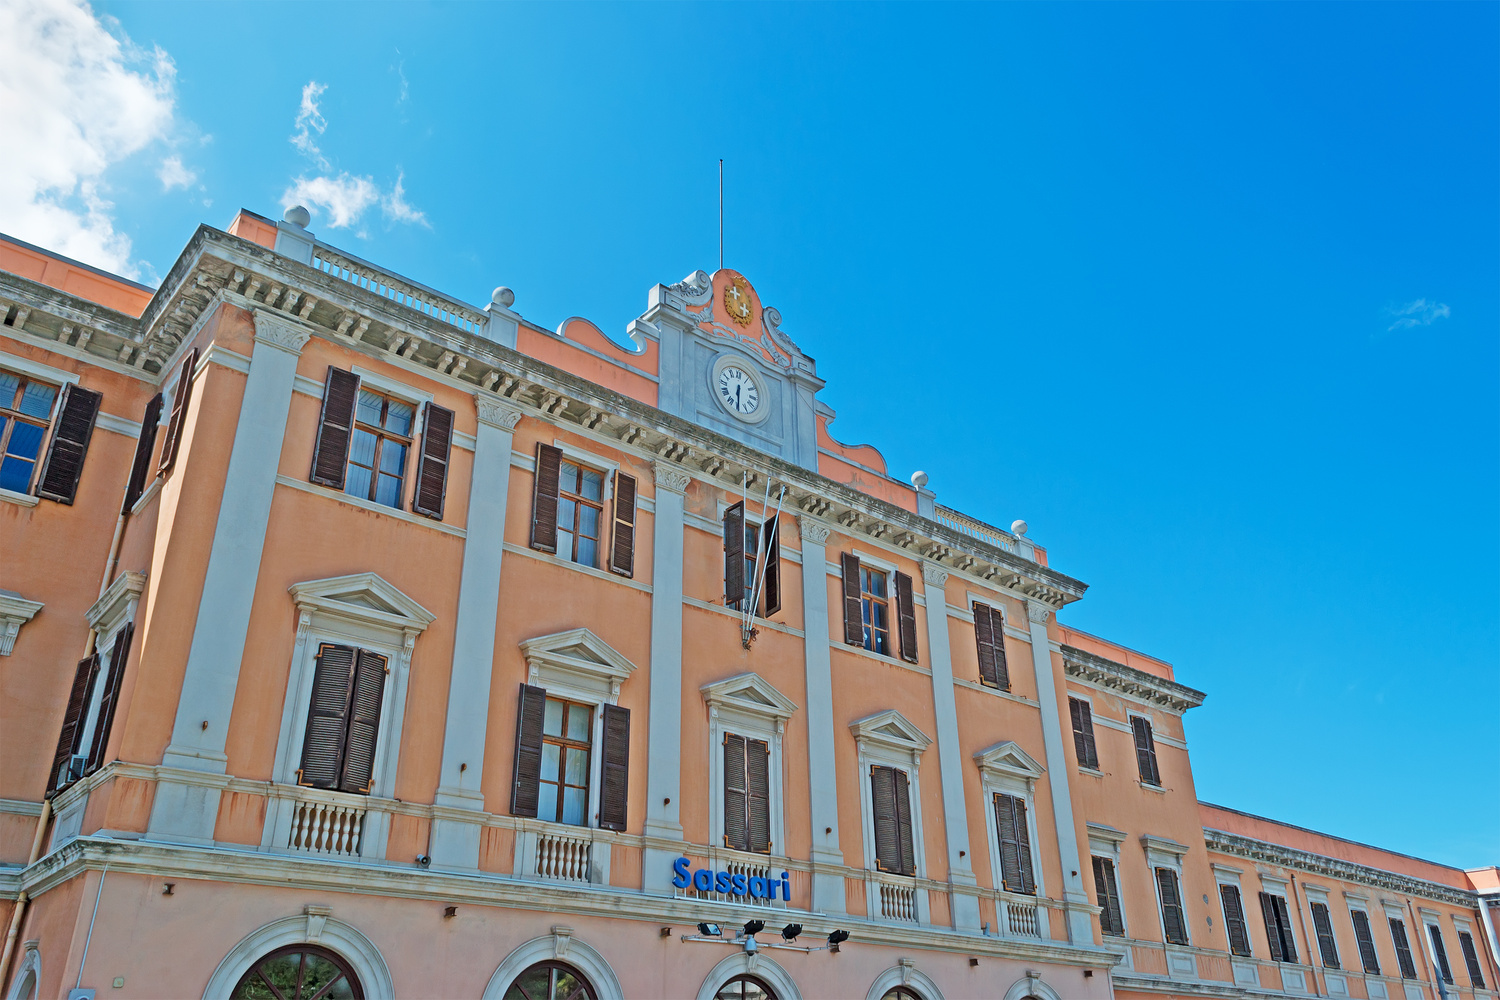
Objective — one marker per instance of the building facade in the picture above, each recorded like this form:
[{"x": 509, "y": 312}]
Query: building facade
[{"x": 358, "y": 642}]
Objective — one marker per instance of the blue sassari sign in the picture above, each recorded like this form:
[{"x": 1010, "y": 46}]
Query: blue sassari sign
[{"x": 707, "y": 880}]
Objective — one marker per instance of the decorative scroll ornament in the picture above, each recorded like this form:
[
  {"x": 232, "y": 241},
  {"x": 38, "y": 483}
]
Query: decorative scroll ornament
[
  {"x": 669, "y": 477},
  {"x": 1037, "y": 611},
  {"x": 813, "y": 532},
  {"x": 497, "y": 413},
  {"x": 280, "y": 332},
  {"x": 933, "y": 576}
]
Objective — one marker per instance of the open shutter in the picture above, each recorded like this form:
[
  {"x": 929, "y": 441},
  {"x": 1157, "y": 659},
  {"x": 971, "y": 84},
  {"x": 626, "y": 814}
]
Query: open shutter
[
  {"x": 1403, "y": 949},
  {"x": 109, "y": 697},
  {"x": 327, "y": 716},
  {"x": 530, "y": 712},
  {"x": 736, "y": 829},
  {"x": 1145, "y": 750},
  {"x": 335, "y": 427},
  {"x": 1234, "y": 920},
  {"x": 1023, "y": 844},
  {"x": 144, "y": 446},
  {"x": 177, "y": 425},
  {"x": 1366, "y": 939},
  {"x": 364, "y": 723},
  {"x": 985, "y": 640},
  {"x": 854, "y": 629},
  {"x": 1324, "y": 927},
  {"x": 883, "y": 806},
  {"x": 432, "y": 465},
  {"x": 735, "y": 587},
  {"x": 616, "y": 769},
  {"x": 906, "y": 613},
  {"x": 1111, "y": 920},
  {"x": 1284, "y": 922},
  {"x": 903, "y": 825},
  {"x": 1083, "y": 733},
  {"x": 771, "y": 559},
  {"x": 1173, "y": 921},
  {"x": 1471, "y": 959},
  {"x": 545, "y": 487},
  {"x": 622, "y": 546},
  {"x": 758, "y": 794},
  {"x": 67, "y": 738},
  {"x": 70, "y": 443},
  {"x": 1010, "y": 848},
  {"x": 1273, "y": 933},
  {"x": 1444, "y": 969}
]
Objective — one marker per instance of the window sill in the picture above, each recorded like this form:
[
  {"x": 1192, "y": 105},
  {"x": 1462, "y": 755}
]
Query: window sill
[
  {"x": 1151, "y": 788},
  {"x": 19, "y": 499},
  {"x": 893, "y": 661},
  {"x": 1092, "y": 772},
  {"x": 528, "y": 552},
  {"x": 374, "y": 508}
]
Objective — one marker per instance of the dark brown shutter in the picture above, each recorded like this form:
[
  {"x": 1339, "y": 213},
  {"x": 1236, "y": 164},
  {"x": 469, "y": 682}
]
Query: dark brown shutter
[
  {"x": 177, "y": 425},
  {"x": 1471, "y": 959},
  {"x": 1284, "y": 922},
  {"x": 547, "y": 484},
  {"x": 1145, "y": 750},
  {"x": 1234, "y": 920},
  {"x": 67, "y": 738},
  {"x": 530, "y": 712},
  {"x": 1366, "y": 939},
  {"x": 771, "y": 578},
  {"x": 432, "y": 465},
  {"x": 622, "y": 547},
  {"x": 1023, "y": 838},
  {"x": 984, "y": 640},
  {"x": 735, "y": 588},
  {"x": 144, "y": 446},
  {"x": 1016, "y": 874},
  {"x": 1324, "y": 927},
  {"x": 883, "y": 805},
  {"x": 327, "y": 716},
  {"x": 364, "y": 723},
  {"x": 109, "y": 697},
  {"x": 854, "y": 629},
  {"x": 906, "y": 612},
  {"x": 335, "y": 427},
  {"x": 758, "y": 794},
  {"x": 1111, "y": 920},
  {"x": 1173, "y": 921},
  {"x": 616, "y": 770},
  {"x": 1273, "y": 932},
  {"x": 1083, "y": 733},
  {"x": 903, "y": 825},
  {"x": 1444, "y": 969},
  {"x": 1403, "y": 949},
  {"x": 736, "y": 829},
  {"x": 70, "y": 443}
]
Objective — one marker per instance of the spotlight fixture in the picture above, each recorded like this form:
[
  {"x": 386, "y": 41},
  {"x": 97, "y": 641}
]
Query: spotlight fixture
[
  {"x": 837, "y": 938},
  {"x": 790, "y": 932},
  {"x": 423, "y": 860},
  {"x": 754, "y": 927},
  {"x": 709, "y": 930}
]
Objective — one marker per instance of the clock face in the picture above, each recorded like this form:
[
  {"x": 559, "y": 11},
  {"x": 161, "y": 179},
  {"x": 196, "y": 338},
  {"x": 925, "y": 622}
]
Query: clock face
[{"x": 737, "y": 390}]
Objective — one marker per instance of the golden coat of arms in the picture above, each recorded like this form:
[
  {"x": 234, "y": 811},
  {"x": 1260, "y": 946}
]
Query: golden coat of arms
[{"x": 737, "y": 300}]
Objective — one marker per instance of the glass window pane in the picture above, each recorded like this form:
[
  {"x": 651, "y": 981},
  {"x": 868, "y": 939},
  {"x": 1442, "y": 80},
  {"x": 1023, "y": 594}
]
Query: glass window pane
[
  {"x": 546, "y": 802},
  {"x": 564, "y": 515},
  {"x": 588, "y": 521},
  {"x": 317, "y": 972},
  {"x": 568, "y": 986},
  {"x": 881, "y": 614},
  {"x": 362, "y": 448},
  {"x": 877, "y": 584},
  {"x": 574, "y": 800},
  {"x": 25, "y": 440},
  {"x": 36, "y": 401},
  {"x": 357, "y": 482},
  {"x": 398, "y": 417},
  {"x": 369, "y": 408},
  {"x": 9, "y": 383},
  {"x": 552, "y": 718},
  {"x": 389, "y": 491},
  {"x": 532, "y": 983},
  {"x": 551, "y": 761},
  {"x": 393, "y": 458},
  {"x": 341, "y": 991},
  {"x": 570, "y": 477},
  {"x": 565, "y": 544},
  {"x": 579, "y": 718},
  {"x": 578, "y": 767},
  {"x": 593, "y": 484},
  {"x": 588, "y": 552}
]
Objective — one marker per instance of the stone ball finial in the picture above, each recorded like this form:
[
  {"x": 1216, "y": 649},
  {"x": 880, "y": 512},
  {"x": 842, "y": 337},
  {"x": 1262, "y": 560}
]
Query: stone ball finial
[
  {"x": 919, "y": 479},
  {"x": 298, "y": 216},
  {"x": 503, "y": 297},
  {"x": 1019, "y": 526}
]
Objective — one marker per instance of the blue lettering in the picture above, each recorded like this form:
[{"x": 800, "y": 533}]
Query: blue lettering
[
  {"x": 680, "y": 877},
  {"x": 721, "y": 882},
  {"x": 757, "y": 887},
  {"x": 703, "y": 880},
  {"x": 739, "y": 885},
  {"x": 786, "y": 887}
]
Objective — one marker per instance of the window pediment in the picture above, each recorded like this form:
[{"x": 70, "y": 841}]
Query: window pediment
[
  {"x": 890, "y": 731},
  {"x": 576, "y": 659},
  {"x": 113, "y": 607},
  {"x": 15, "y": 611},
  {"x": 749, "y": 695},
  {"x": 1008, "y": 760},
  {"x": 364, "y": 598}
]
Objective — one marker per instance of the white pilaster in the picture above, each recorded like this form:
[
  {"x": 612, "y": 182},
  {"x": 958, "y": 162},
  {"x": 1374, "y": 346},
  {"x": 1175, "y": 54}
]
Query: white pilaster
[
  {"x": 1080, "y": 925},
  {"x": 664, "y": 734},
  {"x": 187, "y": 810},
  {"x": 455, "y": 842},
  {"x": 827, "y": 886},
  {"x": 965, "y": 905}
]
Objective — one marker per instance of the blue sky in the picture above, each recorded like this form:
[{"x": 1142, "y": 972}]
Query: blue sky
[{"x": 1206, "y": 293}]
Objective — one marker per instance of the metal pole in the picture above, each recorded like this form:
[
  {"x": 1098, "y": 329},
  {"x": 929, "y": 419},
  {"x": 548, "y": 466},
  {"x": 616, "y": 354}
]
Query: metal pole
[{"x": 721, "y": 213}]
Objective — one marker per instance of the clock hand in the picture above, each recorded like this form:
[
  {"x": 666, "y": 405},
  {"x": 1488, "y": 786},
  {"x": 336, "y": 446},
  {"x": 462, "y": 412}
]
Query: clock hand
[{"x": 737, "y": 396}]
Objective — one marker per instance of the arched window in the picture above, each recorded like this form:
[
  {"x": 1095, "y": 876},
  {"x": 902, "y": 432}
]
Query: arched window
[
  {"x": 550, "y": 981},
  {"x": 900, "y": 993},
  {"x": 745, "y": 988},
  {"x": 299, "y": 972}
]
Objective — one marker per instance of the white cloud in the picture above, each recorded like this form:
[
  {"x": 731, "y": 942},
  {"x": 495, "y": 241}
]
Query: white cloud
[
  {"x": 174, "y": 175},
  {"x": 344, "y": 198},
  {"x": 394, "y": 205},
  {"x": 1418, "y": 313},
  {"x": 310, "y": 120},
  {"x": 78, "y": 99}
]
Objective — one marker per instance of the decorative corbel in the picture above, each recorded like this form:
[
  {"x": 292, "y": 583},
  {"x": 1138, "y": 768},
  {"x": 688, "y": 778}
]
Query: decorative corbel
[
  {"x": 562, "y": 937},
  {"x": 317, "y": 916}
]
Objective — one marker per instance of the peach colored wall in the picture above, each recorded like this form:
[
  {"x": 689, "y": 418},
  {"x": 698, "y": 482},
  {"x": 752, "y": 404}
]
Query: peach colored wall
[
  {"x": 107, "y": 290},
  {"x": 248, "y": 226},
  {"x": 1112, "y": 651},
  {"x": 570, "y": 358}
]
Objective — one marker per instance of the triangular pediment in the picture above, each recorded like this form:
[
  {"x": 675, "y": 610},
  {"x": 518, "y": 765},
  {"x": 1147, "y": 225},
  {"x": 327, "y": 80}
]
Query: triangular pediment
[
  {"x": 579, "y": 650},
  {"x": 749, "y": 693},
  {"x": 1009, "y": 758},
  {"x": 891, "y": 728},
  {"x": 362, "y": 596}
]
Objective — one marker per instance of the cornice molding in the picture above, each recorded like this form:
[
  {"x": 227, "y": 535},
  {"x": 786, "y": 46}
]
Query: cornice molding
[{"x": 1129, "y": 681}]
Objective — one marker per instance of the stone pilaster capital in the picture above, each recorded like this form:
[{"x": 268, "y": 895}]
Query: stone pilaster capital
[
  {"x": 670, "y": 477},
  {"x": 934, "y": 575},
  {"x": 281, "y": 332},
  {"x": 813, "y": 532},
  {"x": 497, "y": 412},
  {"x": 1038, "y": 611}
]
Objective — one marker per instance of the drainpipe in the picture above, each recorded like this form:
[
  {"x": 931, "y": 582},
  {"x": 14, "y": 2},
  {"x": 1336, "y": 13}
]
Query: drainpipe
[
  {"x": 19, "y": 912},
  {"x": 1297, "y": 897}
]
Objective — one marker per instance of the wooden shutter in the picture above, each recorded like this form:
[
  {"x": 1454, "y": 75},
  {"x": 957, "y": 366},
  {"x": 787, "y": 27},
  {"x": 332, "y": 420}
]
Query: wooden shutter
[
  {"x": 988, "y": 634},
  {"x": 1145, "y": 750},
  {"x": 1273, "y": 932},
  {"x": 545, "y": 487},
  {"x": 144, "y": 446},
  {"x": 622, "y": 547},
  {"x": 906, "y": 613},
  {"x": 177, "y": 425},
  {"x": 1366, "y": 939},
  {"x": 327, "y": 716},
  {"x": 1173, "y": 921},
  {"x": 1284, "y": 922},
  {"x": 432, "y": 465},
  {"x": 736, "y": 588},
  {"x": 758, "y": 794},
  {"x": 335, "y": 427},
  {"x": 364, "y": 723},
  {"x": 1327, "y": 947},
  {"x": 1471, "y": 959},
  {"x": 903, "y": 825},
  {"x": 1016, "y": 874},
  {"x": 883, "y": 805},
  {"x": 1446, "y": 971},
  {"x": 70, "y": 443},
  {"x": 771, "y": 559},
  {"x": 1403, "y": 949},
  {"x": 736, "y": 829},
  {"x": 1083, "y": 733},
  {"x": 615, "y": 776},
  {"x": 68, "y": 737},
  {"x": 1234, "y": 920},
  {"x": 530, "y": 711},
  {"x": 854, "y": 628},
  {"x": 109, "y": 697},
  {"x": 1111, "y": 920}
]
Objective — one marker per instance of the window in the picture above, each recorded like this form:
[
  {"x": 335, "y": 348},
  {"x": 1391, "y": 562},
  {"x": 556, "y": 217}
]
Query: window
[
  {"x": 875, "y": 610},
  {"x": 752, "y": 562},
  {"x": 1278, "y": 927},
  {"x": 1367, "y": 956},
  {"x": 567, "y": 730},
  {"x": 1327, "y": 947},
  {"x": 1403, "y": 948},
  {"x": 381, "y": 437},
  {"x": 1145, "y": 751},
  {"x": 89, "y": 716},
  {"x": 900, "y": 993},
  {"x": 1083, "y": 733},
  {"x": 1107, "y": 894},
  {"x": 989, "y": 637},
  {"x": 1014, "y": 832},
  {"x": 890, "y": 797},
  {"x": 25, "y": 415},
  {"x": 300, "y": 972},
  {"x": 1173, "y": 922},
  {"x": 1234, "y": 920},
  {"x": 567, "y": 512},
  {"x": 745, "y": 988},
  {"x": 1471, "y": 959},
  {"x": 580, "y": 512},
  {"x": 747, "y": 719},
  {"x": 867, "y": 608},
  {"x": 343, "y": 719},
  {"x": 747, "y": 794},
  {"x": 1444, "y": 969},
  {"x": 550, "y": 981}
]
